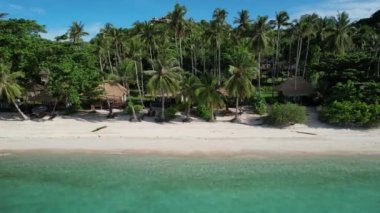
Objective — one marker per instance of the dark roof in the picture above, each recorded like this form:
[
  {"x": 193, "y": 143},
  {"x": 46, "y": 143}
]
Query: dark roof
[{"x": 296, "y": 86}]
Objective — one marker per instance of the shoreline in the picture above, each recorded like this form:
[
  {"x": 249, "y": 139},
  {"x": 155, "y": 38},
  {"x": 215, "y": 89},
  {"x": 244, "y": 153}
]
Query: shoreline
[{"x": 198, "y": 138}]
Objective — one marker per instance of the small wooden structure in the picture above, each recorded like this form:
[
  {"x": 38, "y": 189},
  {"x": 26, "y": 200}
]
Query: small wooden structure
[
  {"x": 115, "y": 94},
  {"x": 296, "y": 87}
]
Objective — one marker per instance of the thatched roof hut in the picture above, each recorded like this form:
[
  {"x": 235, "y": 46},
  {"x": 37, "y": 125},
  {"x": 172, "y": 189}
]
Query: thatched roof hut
[
  {"x": 295, "y": 87},
  {"x": 114, "y": 92}
]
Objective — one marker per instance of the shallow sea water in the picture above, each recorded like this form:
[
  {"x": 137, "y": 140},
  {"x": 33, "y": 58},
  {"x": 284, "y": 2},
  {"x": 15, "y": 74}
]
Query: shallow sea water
[{"x": 146, "y": 183}]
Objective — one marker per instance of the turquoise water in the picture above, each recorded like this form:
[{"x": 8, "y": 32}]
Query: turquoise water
[{"x": 120, "y": 183}]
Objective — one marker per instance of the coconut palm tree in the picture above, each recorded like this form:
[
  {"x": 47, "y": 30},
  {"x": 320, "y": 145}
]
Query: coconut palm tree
[
  {"x": 148, "y": 33},
  {"x": 242, "y": 70},
  {"x": 243, "y": 23},
  {"x": 281, "y": 20},
  {"x": 208, "y": 93},
  {"x": 178, "y": 23},
  {"x": 341, "y": 34},
  {"x": 310, "y": 32},
  {"x": 217, "y": 29},
  {"x": 134, "y": 53},
  {"x": 260, "y": 42},
  {"x": 188, "y": 87},
  {"x": 165, "y": 79},
  {"x": 9, "y": 88},
  {"x": 76, "y": 32}
]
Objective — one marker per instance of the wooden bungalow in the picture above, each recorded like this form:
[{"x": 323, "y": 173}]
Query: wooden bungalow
[
  {"x": 295, "y": 87},
  {"x": 114, "y": 94}
]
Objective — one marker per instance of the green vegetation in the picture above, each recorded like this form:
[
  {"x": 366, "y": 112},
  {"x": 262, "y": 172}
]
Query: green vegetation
[
  {"x": 351, "y": 114},
  {"x": 259, "y": 105},
  {"x": 286, "y": 114},
  {"x": 170, "y": 113},
  {"x": 204, "y": 112},
  {"x": 209, "y": 64},
  {"x": 137, "y": 108}
]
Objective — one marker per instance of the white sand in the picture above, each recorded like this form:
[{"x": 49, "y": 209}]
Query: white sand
[{"x": 197, "y": 137}]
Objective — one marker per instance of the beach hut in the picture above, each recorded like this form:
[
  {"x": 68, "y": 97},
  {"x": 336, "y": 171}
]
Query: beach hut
[
  {"x": 295, "y": 87},
  {"x": 114, "y": 94}
]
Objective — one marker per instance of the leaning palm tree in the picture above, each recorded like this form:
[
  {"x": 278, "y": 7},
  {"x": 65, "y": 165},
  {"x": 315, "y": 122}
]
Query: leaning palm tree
[
  {"x": 76, "y": 32},
  {"x": 260, "y": 41},
  {"x": 242, "y": 70},
  {"x": 208, "y": 93},
  {"x": 165, "y": 79},
  {"x": 9, "y": 88}
]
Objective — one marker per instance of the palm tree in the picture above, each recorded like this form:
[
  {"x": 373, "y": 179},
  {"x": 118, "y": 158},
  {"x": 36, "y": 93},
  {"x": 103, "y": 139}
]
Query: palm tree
[
  {"x": 239, "y": 85},
  {"x": 188, "y": 87},
  {"x": 310, "y": 32},
  {"x": 148, "y": 34},
  {"x": 243, "y": 23},
  {"x": 208, "y": 93},
  {"x": 134, "y": 52},
  {"x": 178, "y": 23},
  {"x": 76, "y": 32},
  {"x": 299, "y": 32},
  {"x": 9, "y": 88},
  {"x": 282, "y": 19},
  {"x": 260, "y": 41},
  {"x": 341, "y": 33},
  {"x": 217, "y": 28},
  {"x": 165, "y": 79}
]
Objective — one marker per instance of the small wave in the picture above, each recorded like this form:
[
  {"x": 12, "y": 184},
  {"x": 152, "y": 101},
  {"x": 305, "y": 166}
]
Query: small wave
[{"x": 5, "y": 154}]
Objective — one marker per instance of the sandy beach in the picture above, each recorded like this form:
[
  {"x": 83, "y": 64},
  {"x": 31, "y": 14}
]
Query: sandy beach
[{"x": 74, "y": 133}]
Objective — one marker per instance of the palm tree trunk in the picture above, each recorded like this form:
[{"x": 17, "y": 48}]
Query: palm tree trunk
[
  {"x": 24, "y": 117},
  {"x": 151, "y": 56},
  {"x": 306, "y": 57},
  {"x": 142, "y": 77},
  {"x": 219, "y": 67},
  {"x": 290, "y": 59},
  {"x": 180, "y": 51},
  {"x": 100, "y": 61},
  {"x": 277, "y": 49},
  {"x": 259, "y": 74},
  {"x": 162, "y": 107},
  {"x": 188, "y": 111},
  {"x": 204, "y": 60},
  {"x": 138, "y": 84},
  {"x": 299, "y": 49},
  {"x": 237, "y": 107},
  {"x": 212, "y": 114},
  {"x": 109, "y": 60},
  {"x": 192, "y": 60}
]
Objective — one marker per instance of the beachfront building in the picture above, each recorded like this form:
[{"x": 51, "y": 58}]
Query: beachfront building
[
  {"x": 114, "y": 94},
  {"x": 294, "y": 88}
]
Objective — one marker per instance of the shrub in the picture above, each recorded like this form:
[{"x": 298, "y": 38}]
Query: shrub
[
  {"x": 351, "y": 114},
  {"x": 128, "y": 109},
  {"x": 259, "y": 105},
  {"x": 204, "y": 112},
  {"x": 285, "y": 114},
  {"x": 170, "y": 113}
]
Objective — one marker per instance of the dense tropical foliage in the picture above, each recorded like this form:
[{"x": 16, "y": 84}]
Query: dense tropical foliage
[{"x": 175, "y": 56}]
